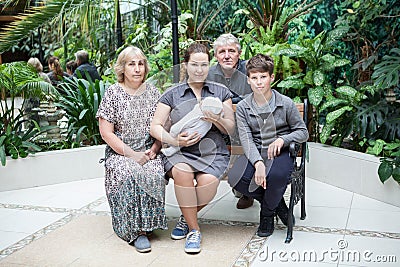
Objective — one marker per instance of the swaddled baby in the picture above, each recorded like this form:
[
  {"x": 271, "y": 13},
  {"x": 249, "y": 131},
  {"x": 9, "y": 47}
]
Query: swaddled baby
[{"x": 192, "y": 122}]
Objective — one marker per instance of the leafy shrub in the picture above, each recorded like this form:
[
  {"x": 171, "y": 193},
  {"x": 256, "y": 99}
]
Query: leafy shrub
[
  {"x": 15, "y": 141},
  {"x": 17, "y": 132},
  {"x": 80, "y": 99}
]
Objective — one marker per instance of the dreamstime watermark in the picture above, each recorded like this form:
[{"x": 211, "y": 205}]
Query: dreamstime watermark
[{"x": 339, "y": 254}]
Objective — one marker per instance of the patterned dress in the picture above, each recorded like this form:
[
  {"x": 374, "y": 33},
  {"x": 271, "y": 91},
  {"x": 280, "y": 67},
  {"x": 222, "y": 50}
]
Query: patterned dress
[{"x": 136, "y": 194}]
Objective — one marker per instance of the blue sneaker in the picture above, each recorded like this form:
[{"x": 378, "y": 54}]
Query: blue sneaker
[
  {"x": 181, "y": 229},
  {"x": 142, "y": 244},
  {"x": 193, "y": 240}
]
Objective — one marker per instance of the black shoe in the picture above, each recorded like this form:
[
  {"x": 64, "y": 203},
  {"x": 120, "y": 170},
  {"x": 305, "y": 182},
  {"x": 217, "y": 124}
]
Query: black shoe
[
  {"x": 236, "y": 193},
  {"x": 266, "y": 227},
  {"x": 244, "y": 202},
  {"x": 283, "y": 212}
]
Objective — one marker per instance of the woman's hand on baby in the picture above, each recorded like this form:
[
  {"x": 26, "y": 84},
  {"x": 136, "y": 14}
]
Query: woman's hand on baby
[
  {"x": 211, "y": 117},
  {"x": 185, "y": 139}
]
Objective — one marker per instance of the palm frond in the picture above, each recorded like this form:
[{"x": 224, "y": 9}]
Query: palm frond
[
  {"x": 35, "y": 17},
  {"x": 208, "y": 19}
]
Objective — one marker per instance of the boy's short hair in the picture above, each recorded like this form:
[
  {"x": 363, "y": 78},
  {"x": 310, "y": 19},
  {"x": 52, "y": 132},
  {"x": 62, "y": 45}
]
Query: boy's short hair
[{"x": 260, "y": 63}]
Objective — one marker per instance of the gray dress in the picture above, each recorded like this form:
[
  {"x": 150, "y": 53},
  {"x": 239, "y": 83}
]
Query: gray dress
[
  {"x": 136, "y": 194},
  {"x": 210, "y": 155}
]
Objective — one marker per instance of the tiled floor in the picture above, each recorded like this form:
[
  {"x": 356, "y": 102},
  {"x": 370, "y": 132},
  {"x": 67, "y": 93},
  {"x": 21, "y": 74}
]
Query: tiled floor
[{"x": 341, "y": 229}]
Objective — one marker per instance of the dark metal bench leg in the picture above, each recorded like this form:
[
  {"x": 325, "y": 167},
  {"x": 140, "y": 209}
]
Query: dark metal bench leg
[
  {"x": 303, "y": 197},
  {"x": 289, "y": 235}
]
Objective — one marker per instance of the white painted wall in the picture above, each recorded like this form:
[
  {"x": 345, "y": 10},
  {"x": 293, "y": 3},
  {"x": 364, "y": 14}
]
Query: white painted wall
[
  {"x": 353, "y": 171},
  {"x": 52, "y": 167}
]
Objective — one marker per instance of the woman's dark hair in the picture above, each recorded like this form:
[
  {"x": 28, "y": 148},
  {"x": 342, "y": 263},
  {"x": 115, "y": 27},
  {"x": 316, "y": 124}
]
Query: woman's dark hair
[
  {"x": 196, "y": 48},
  {"x": 55, "y": 66},
  {"x": 71, "y": 65}
]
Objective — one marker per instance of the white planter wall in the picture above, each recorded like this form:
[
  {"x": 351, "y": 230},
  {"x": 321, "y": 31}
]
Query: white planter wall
[
  {"x": 18, "y": 101},
  {"x": 352, "y": 171},
  {"x": 52, "y": 167},
  {"x": 347, "y": 169}
]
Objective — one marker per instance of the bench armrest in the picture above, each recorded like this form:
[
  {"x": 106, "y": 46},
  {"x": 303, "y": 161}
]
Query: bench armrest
[{"x": 294, "y": 149}]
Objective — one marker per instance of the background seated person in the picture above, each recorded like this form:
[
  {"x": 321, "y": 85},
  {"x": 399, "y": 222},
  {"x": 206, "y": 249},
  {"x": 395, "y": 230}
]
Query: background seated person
[{"x": 85, "y": 67}]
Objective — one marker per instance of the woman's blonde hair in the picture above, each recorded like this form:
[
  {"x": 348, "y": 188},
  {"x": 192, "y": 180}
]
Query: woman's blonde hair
[
  {"x": 119, "y": 66},
  {"x": 35, "y": 62}
]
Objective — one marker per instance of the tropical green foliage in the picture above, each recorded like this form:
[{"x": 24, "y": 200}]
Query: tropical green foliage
[
  {"x": 274, "y": 16},
  {"x": 17, "y": 136},
  {"x": 374, "y": 30},
  {"x": 390, "y": 162},
  {"x": 284, "y": 66},
  {"x": 34, "y": 18},
  {"x": 269, "y": 32},
  {"x": 317, "y": 83},
  {"x": 203, "y": 15},
  {"x": 372, "y": 44},
  {"x": 21, "y": 79},
  {"x": 17, "y": 132},
  {"x": 386, "y": 72},
  {"x": 80, "y": 99}
]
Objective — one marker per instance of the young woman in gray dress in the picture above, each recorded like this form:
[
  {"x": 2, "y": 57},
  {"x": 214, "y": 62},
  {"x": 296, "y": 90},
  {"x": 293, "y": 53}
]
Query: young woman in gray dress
[
  {"x": 201, "y": 162},
  {"x": 134, "y": 174}
]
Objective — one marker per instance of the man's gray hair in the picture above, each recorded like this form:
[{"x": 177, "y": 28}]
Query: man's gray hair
[
  {"x": 226, "y": 39},
  {"x": 82, "y": 56}
]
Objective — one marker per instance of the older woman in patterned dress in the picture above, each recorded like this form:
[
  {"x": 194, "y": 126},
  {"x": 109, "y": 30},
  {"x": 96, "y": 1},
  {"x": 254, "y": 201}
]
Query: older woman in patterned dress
[{"x": 134, "y": 173}]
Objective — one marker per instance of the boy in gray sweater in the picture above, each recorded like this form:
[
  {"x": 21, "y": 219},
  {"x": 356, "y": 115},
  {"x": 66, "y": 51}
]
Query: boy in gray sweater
[{"x": 267, "y": 122}]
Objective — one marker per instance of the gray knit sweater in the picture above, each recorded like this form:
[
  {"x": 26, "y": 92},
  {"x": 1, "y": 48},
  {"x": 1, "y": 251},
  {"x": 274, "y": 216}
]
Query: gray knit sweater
[{"x": 258, "y": 130}]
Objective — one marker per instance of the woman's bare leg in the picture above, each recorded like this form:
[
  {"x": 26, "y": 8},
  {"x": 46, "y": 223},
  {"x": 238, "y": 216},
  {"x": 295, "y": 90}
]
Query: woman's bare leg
[
  {"x": 206, "y": 189},
  {"x": 185, "y": 193}
]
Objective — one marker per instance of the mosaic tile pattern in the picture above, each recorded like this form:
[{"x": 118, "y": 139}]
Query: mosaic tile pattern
[
  {"x": 70, "y": 215},
  {"x": 245, "y": 258}
]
